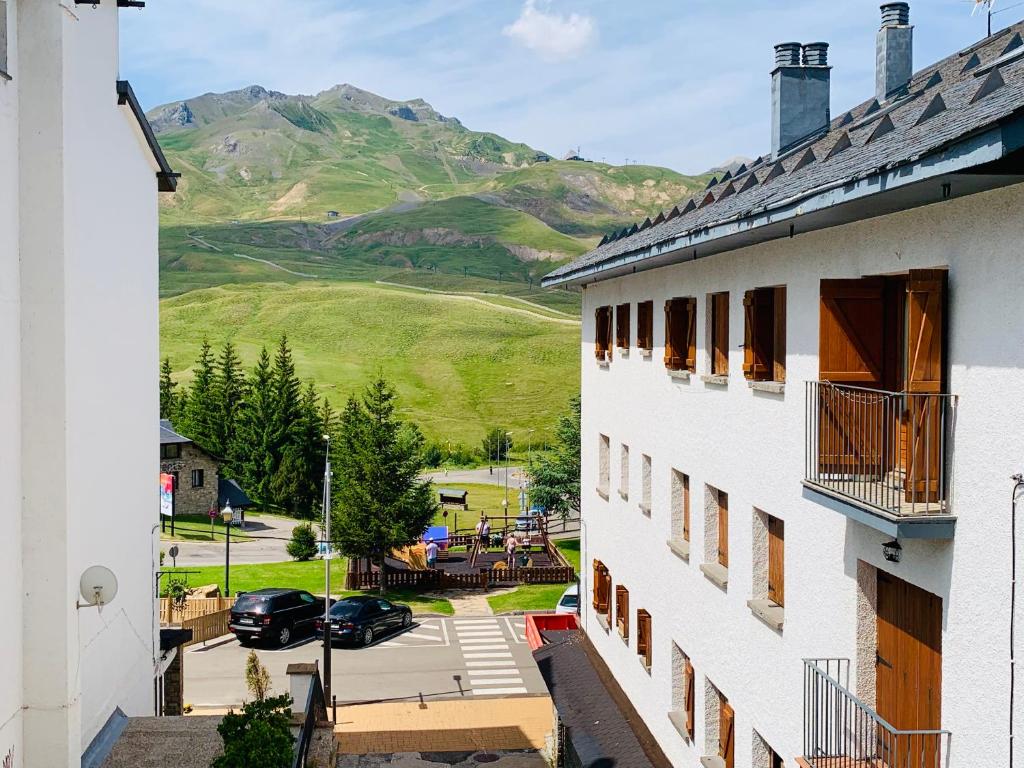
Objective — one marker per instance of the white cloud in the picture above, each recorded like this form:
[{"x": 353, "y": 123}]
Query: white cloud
[{"x": 554, "y": 36}]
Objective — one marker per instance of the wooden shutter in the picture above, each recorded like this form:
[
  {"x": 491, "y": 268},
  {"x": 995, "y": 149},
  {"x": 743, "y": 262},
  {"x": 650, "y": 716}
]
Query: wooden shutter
[
  {"x": 606, "y": 592},
  {"x": 686, "y": 507},
  {"x": 779, "y": 334},
  {"x": 926, "y": 306},
  {"x": 622, "y": 326},
  {"x": 598, "y": 582},
  {"x": 691, "y": 335},
  {"x": 622, "y": 610},
  {"x": 720, "y": 333},
  {"x": 689, "y": 698},
  {"x": 851, "y": 332},
  {"x": 723, "y": 528},
  {"x": 727, "y": 735},
  {"x": 748, "y": 334},
  {"x": 643, "y": 636},
  {"x": 644, "y": 324},
  {"x": 764, "y": 333},
  {"x": 776, "y": 561},
  {"x": 671, "y": 358}
]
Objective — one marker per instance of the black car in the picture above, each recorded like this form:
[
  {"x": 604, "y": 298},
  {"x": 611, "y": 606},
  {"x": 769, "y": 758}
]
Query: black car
[
  {"x": 361, "y": 618},
  {"x": 276, "y": 615}
]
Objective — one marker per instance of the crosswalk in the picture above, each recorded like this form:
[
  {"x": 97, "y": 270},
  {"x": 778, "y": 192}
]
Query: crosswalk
[
  {"x": 487, "y": 654},
  {"x": 426, "y": 633}
]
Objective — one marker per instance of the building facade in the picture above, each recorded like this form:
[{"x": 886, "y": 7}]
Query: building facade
[
  {"x": 195, "y": 472},
  {"x": 800, "y": 421},
  {"x": 78, "y": 389}
]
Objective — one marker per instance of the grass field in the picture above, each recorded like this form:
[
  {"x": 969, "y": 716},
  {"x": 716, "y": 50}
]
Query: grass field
[
  {"x": 459, "y": 366},
  {"x": 197, "y": 528},
  {"x": 538, "y": 597},
  {"x": 482, "y": 498}
]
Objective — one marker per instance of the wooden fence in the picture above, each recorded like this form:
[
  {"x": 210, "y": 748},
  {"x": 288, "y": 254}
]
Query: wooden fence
[
  {"x": 551, "y": 574},
  {"x": 209, "y": 626},
  {"x": 419, "y": 580},
  {"x": 193, "y": 608}
]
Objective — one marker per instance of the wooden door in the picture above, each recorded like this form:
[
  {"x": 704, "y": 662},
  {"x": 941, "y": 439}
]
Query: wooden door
[
  {"x": 776, "y": 561},
  {"x": 925, "y": 379},
  {"x": 727, "y": 734},
  {"x": 720, "y": 334},
  {"x": 853, "y": 425},
  {"x": 723, "y": 529},
  {"x": 908, "y": 669}
]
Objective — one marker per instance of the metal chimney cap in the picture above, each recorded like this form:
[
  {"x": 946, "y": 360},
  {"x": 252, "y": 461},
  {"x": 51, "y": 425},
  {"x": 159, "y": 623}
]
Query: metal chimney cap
[
  {"x": 787, "y": 55},
  {"x": 815, "y": 55},
  {"x": 895, "y": 14}
]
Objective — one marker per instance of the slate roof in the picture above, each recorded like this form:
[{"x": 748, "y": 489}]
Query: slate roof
[
  {"x": 602, "y": 732},
  {"x": 168, "y": 436},
  {"x": 230, "y": 492},
  {"x": 948, "y": 101}
]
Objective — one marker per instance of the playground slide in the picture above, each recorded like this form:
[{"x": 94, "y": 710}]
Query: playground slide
[{"x": 415, "y": 556}]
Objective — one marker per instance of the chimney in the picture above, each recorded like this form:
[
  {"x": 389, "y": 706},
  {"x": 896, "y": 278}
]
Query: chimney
[
  {"x": 894, "y": 52},
  {"x": 800, "y": 93}
]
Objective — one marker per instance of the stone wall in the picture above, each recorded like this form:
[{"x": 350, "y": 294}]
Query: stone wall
[
  {"x": 189, "y": 500},
  {"x": 174, "y": 688}
]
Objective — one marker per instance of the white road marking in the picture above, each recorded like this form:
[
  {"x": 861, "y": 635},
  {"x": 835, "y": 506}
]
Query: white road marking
[
  {"x": 478, "y": 631},
  {"x": 435, "y": 638},
  {"x": 491, "y": 647},
  {"x": 496, "y": 691},
  {"x": 517, "y": 630},
  {"x": 496, "y": 681},
  {"x": 478, "y": 640},
  {"x": 487, "y": 655},
  {"x": 507, "y": 671},
  {"x": 485, "y": 664}
]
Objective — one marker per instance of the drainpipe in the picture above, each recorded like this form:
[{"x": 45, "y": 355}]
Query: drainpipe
[{"x": 1018, "y": 486}]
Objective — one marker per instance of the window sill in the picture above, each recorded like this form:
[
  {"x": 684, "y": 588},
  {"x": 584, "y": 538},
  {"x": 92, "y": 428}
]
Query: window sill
[
  {"x": 624, "y": 635},
  {"x": 716, "y": 573},
  {"x": 602, "y": 494},
  {"x": 604, "y": 363},
  {"x": 645, "y": 508},
  {"x": 679, "y": 375},
  {"x": 5, "y": 76},
  {"x": 643, "y": 664},
  {"x": 715, "y": 379},
  {"x": 623, "y": 351},
  {"x": 624, "y": 495},
  {"x": 772, "y": 387},
  {"x": 712, "y": 761},
  {"x": 680, "y": 548},
  {"x": 768, "y": 612},
  {"x": 646, "y": 354},
  {"x": 678, "y": 720},
  {"x": 602, "y": 619}
]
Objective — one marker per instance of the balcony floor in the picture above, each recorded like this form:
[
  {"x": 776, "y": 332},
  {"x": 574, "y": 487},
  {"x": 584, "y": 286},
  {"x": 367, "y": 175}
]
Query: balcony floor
[{"x": 933, "y": 524}]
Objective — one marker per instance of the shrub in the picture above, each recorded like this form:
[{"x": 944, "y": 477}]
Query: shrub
[
  {"x": 259, "y": 736},
  {"x": 303, "y": 545},
  {"x": 257, "y": 678}
]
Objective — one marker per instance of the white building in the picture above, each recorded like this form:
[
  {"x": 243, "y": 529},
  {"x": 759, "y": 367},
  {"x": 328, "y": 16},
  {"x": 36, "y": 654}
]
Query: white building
[
  {"x": 820, "y": 355},
  {"x": 79, "y": 176}
]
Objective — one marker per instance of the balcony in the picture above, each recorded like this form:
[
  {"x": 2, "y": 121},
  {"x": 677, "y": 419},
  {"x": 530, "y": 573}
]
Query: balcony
[
  {"x": 840, "y": 731},
  {"x": 881, "y": 458}
]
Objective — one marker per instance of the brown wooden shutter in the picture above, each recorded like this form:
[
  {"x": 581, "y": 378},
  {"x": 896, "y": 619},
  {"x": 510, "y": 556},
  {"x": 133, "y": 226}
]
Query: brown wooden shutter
[
  {"x": 597, "y": 584},
  {"x": 644, "y": 324},
  {"x": 598, "y": 333},
  {"x": 720, "y": 333},
  {"x": 690, "y": 702},
  {"x": 622, "y": 610},
  {"x": 851, "y": 332},
  {"x": 670, "y": 356},
  {"x": 764, "y": 333},
  {"x": 926, "y": 306},
  {"x": 622, "y": 326},
  {"x": 686, "y": 507},
  {"x": 606, "y": 592},
  {"x": 691, "y": 335},
  {"x": 726, "y": 735},
  {"x": 723, "y": 528},
  {"x": 779, "y": 335},
  {"x": 608, "y": 332},
  {"x": 776, "y": 561},
  {"x": 748, "y": 334},
  {"x": 643, "y": 636}
]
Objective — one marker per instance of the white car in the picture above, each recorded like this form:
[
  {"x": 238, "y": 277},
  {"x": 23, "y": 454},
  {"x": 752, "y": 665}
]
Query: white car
[{"x": 569, "y": 602}]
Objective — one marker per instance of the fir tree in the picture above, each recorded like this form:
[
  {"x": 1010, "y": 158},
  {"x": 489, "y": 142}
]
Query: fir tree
[
  {"x": 286, "y": 394},
  {"x": 253, "y": 448},
  {"x": 381, "y": 503},
  {"x": 555, "y": 477},
  {"x": 168, "y": 397},
  {"x": 229, "y": 390},
  {"x": 298, "y": 482},
  {"x": 198, "y": 412}
]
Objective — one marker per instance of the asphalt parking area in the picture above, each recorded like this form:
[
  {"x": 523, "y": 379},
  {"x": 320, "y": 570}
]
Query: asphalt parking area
[{"x": 436, "y": 658}]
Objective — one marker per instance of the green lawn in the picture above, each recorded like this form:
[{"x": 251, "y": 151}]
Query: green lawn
[
  {"x": 307, "y": 575},
  {"x": 482, "y": 498},
  {"x": 571, "y": 549},
  {"x": 197, "y": 528},
  {"x": 531, "y": 597}
]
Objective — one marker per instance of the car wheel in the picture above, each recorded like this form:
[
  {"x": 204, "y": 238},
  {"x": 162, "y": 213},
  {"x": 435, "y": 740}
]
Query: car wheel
[
  {"x": 406, "y": 619},
  {"x": 367, "y": 635},
  {"x": 244, "y": 642},
  {"x": 284, "y": 635}
]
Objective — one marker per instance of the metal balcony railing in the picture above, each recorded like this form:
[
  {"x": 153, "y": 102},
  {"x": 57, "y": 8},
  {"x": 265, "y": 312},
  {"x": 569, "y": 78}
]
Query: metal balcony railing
[
  {"x": 840, "y": 731},
  {"x": 885, "y": 450}
]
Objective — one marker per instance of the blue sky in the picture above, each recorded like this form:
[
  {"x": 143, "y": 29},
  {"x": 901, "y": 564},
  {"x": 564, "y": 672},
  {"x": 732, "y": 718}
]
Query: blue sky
[{"x": 680, "y": 83}]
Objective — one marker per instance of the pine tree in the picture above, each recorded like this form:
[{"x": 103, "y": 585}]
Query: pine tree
[
  {"x": 380, "y": 502},
  {"x": 252, "y": 451},
  {"x": 199, "y": 412},
  {"x": 168, "y": 397},
  {"x": 286, "y": 390},
  {"x": 298, "y": 482},
  {"x": 229, "y": 390},
  {"x": 555, "y": 477}
]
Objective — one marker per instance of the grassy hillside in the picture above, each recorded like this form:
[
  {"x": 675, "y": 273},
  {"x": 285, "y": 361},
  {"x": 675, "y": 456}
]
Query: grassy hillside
[{"x": 460, "y": 365}]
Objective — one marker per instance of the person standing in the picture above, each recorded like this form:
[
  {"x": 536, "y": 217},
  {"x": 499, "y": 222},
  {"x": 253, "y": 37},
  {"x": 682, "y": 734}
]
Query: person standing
[
  {"x": 510, "y": 550},
  {"x": 431, "y": 553}
]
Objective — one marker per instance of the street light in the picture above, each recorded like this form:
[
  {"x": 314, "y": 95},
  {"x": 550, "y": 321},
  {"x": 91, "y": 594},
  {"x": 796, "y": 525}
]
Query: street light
[
  {"x": 507, "y": 444},
  {"x": 226, "y": 515},
  {"x": 327, "y": 568}
]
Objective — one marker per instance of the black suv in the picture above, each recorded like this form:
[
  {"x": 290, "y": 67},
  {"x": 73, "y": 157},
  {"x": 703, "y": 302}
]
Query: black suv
[{"x": 274, "y": 614}]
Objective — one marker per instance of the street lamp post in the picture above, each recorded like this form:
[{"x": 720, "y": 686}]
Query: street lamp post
[
  {"x": 226, "y": 514},
  {"x": 507, "y": 445},
  {"x": 327, "y": 568}
]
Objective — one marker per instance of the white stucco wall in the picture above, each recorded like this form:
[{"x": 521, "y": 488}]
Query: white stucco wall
[{"x": 751, "y": 445}]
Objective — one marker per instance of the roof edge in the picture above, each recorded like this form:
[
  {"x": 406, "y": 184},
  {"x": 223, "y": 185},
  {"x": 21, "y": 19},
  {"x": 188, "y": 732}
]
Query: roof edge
[{"x": 167, "y": 179}]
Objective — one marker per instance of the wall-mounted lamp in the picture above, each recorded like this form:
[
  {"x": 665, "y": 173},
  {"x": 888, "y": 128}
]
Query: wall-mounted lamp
[{"x": 892, "y": 551}]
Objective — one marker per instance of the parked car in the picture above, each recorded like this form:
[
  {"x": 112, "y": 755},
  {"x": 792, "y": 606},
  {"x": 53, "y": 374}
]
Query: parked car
[
  {"x": 528, "y": 522},
  {"x": 276, "y": 615},
  {"x": 569, "y": 602},
  {"x": 361, "y": 618}
]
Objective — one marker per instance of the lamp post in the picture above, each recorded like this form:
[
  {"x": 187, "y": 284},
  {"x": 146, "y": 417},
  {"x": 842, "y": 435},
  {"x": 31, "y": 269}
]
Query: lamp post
[
  {"x": 327, "y": 568},
  {"x": 507, "y": 445},
  {"x": 226, "y": 514}
]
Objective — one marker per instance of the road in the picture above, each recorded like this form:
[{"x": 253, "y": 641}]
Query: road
[
  {"x": 438, "y": 658},
  {"x": 478, "y": 476},
  {"x": 278, "y": 531}
]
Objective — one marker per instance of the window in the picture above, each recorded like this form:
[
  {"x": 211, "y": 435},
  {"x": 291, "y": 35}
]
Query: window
[
  {"x": 723, "y": 529},
  {"x": 763, "y": 755},
  {"x": 645, "y": 492},
  {"x": 645, "y": 325},
  {"x": 776, "y": 561},
  {"x": 170, "y": 451},
  {"x": 603, "y": 465},
  {"x": 719, "y": 333},
  {"x": 3, "y": 37},
  {"x": 602, "y": 587},
  {"x": 644, "y": 644},
  {"x": 622, "y": 326},
  {"x": 622, "y": 611},
  {"x": 683, "y": 699},
  {"x": 764, "y": 334},
  {"x": 197, "y": 478},
  {"x": 174, "y": 479},
  {"x": 768, "y": 567},
  {"x": 716, "y": 536},
  {"x": 726, "y": 732},
  {"x": 681, "y": 334},
  {"x": 680, "y": 506},
  {"x": 603, "y": 333},
  {"x": 624, "y": 472}
]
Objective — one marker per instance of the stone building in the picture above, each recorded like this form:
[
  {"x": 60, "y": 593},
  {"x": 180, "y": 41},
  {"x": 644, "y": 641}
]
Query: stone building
[{"x": 198, "y": 484}]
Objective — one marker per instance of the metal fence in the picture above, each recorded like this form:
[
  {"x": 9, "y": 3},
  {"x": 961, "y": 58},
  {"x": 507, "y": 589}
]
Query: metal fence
[
  {"x": 888, "y": 450},
  {"x": 840, "y": 731}
]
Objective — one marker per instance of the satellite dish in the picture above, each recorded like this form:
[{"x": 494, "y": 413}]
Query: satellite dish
[{"x": 98, "y": 586}]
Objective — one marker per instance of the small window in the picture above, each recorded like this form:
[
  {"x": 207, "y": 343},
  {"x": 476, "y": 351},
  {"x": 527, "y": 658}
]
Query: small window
[
  {"x": 723, "y": 529},
  {"x": 603, "y": 333},
  {"x": 719, "y": 333},
  {"x": 624, "y": 471},
  {"x": 683, "y": 700},
  {"x": 601, "y": 587},
  {"x": 716, "y": 536},
  {"x": 603, "y": 465},
  {"x": 764, "y": 334},
  {"x": 644, "y": 644},
  {"x": 622, "y": 326},
  {"x": 622, "y": 611},
  {"x": 681, "y": 334},
  {"x": 680, "y": 506},
  {"x": 645, "y": 325},
  {"x": 645, "y": 491},
  {"x": 776, "y": 561},
  {"x": 170, "y": 451},
  {"x": 197, "y": 478},
  {"x": 306, "y": 597}
]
